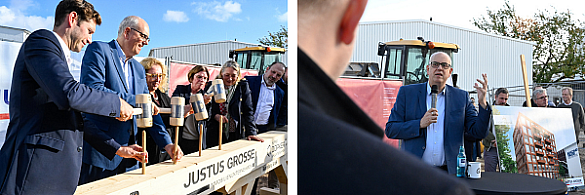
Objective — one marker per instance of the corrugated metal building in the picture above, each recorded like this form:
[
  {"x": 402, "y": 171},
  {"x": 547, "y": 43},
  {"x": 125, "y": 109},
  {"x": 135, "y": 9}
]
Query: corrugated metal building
[
  {"x": 203, "y": 53},
  {"x": 480, "y": 52}
]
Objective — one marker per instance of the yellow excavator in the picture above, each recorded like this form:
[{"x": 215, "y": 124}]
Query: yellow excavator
[{"x": 257, "y": 58}]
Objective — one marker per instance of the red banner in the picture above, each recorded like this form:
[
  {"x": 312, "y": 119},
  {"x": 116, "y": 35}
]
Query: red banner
[
  {"x": 375, "y": 97},
  {"x": 178, "y": 74}
]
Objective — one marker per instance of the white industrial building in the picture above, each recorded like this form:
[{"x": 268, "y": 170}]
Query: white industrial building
[
  {"x": 10, "y": 41},
  {"x": 12, "y": 34},
  {"x": 480, "y": 52},
  {"x": 203, "y": 53}
]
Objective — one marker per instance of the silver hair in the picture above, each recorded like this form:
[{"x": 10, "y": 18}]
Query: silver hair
[
  {"x": 538, "y": 91},
  {"x": 568, "y": 89},
  {"x": 129, "y": 21}
]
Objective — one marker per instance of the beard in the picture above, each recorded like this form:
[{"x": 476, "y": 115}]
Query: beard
[{"x": 76, "y": 40}]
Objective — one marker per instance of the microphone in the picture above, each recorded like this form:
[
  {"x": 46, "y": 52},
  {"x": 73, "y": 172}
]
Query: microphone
[{"x": 434, "y": 91}]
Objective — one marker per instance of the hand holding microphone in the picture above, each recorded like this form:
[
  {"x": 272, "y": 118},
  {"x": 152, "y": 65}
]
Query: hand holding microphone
[{"x": 432, "y": 114}]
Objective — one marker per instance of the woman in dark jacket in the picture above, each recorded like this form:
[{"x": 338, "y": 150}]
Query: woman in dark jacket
[
  {"x": 155, "y": 77},
  {"x": 236, "y": 112},
  {"x": 189, "y": 134}
]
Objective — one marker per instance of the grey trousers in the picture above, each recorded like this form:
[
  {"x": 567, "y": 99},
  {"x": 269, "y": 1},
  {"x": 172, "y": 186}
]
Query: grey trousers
[{"x": 491, "y": 159}]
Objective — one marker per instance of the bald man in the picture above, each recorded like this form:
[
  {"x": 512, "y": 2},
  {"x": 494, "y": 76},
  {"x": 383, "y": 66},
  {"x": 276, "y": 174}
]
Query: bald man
[
  {"x": 435, "y": 134},
  {"x": 340, "y": 148},
  {"x": 111, "y": 67}
]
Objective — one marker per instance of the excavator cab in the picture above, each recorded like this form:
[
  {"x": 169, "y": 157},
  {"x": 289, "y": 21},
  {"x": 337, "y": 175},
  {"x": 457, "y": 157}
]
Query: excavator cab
[
  {"x": 257, "y": 58},
  {"x": 407, "y": 59}
]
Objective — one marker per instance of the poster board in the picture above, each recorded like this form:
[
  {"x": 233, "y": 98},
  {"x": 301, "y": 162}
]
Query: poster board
[{"x": 537, "y": 141}]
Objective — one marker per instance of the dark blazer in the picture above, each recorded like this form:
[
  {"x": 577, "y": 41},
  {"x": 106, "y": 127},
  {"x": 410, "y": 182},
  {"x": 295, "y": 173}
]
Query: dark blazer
[
  {"x": 279, "y": 109},
  {"x": 240, "y": 109},
  {"x": 282, "y": 121},
  {"x": 341, "y": 149},
  {"x": 42, "y": 152},
  {"x": 185, "y": 91},
  {"x": 102, "y": 70},
  {"x": 461, "y": 116}
]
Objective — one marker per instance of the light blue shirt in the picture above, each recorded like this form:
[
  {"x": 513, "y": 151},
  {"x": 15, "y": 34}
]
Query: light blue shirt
[
  {"x": 126, "y": 69},
  {"x": 265, "y": 103},
  {"x": 434, "y": 153}
]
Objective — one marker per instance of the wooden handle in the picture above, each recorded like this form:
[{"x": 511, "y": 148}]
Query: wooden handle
[
  {"x": 200, "y": 138},
  {"x": 525, "y": 74},
  {"x": 220, "y": 130},
  {"x": 176, "y": 149},
  {"x": 164, "y": 110},
  {"x": 136, "y": 111},
  {"x": 143, "y": 150}
]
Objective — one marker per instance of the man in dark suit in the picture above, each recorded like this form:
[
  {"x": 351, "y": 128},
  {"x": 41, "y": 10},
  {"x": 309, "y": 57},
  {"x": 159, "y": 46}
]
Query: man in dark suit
[
  {"x": 110, "y": 67},
  {"x": 267, "y": 97},
  {"x": 435, "y": 134},
  {"x": 42, "y": 153},
  {"x": 340, "y": 148}
]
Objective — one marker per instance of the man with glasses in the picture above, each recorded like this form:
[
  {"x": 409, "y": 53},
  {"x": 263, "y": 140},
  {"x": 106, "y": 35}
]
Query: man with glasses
[
  {"x": 540, "y": 98},
  {"x": 111, "y": 67},
  {"x": 435, "y": 134}
]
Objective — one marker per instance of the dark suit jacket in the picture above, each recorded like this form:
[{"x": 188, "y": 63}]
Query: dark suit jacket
[
  {"x": 341, "y": 149},
  {"x": 461, "y": 116},
  {"x": 278, "y": 110},
  {"x": 282, "y": 121},
  {"x": 42, "y": 153},
  {"x": 241, "y": 110},
  {"x": 185, "y": 91},
  {"x": 102, "y": 70}
]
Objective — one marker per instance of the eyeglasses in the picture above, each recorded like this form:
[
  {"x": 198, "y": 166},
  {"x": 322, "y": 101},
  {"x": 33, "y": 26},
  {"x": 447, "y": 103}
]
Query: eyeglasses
[
  {"x": 436, "y": 64},
  {"x": 230, "y": 76},
  {"x": 160, "y": 76},
  {"x": 144, "y": 36},
  {"x": 201, "y": 77},
  {"x": 543, "y": 97}
]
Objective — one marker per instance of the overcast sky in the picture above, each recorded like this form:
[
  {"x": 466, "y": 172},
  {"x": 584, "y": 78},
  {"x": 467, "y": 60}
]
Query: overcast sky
[{"x": 461, "y": 12}]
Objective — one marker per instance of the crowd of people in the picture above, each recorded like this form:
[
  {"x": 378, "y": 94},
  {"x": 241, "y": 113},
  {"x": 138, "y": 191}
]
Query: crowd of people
[{"x": 64, "y": 133}]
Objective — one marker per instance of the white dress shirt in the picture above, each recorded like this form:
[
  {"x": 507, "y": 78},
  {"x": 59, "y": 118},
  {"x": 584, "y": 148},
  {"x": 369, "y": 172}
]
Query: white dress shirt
[
  {"x": 125, "y": 68},
  {"x": 434, "y": 153},
  {"x": 265, "y": 103},
  {"x": 67, "y": 53}
]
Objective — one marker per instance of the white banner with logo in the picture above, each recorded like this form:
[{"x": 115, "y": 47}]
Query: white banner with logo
[{"x": 8, "y": 54}]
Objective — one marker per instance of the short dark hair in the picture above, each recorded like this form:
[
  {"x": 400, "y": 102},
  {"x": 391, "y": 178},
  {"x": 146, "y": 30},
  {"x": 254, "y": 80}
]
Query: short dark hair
[
  {"x": 501, "y": 90},
  {"x": 84, "y": 10},
  {"x": 277, "y": 62},
  {"x": 195, "y": 70}
]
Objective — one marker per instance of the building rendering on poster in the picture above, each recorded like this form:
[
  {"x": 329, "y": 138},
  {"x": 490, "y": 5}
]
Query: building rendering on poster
[{"x": 537, "y": 141}]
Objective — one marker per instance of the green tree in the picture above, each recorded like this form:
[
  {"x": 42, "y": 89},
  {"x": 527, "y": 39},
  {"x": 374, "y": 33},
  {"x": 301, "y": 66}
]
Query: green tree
[
  {"x": 508, "y": 165},
  {"x": 559, "y": 52},
  {"x": 276, "y": 39}
]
